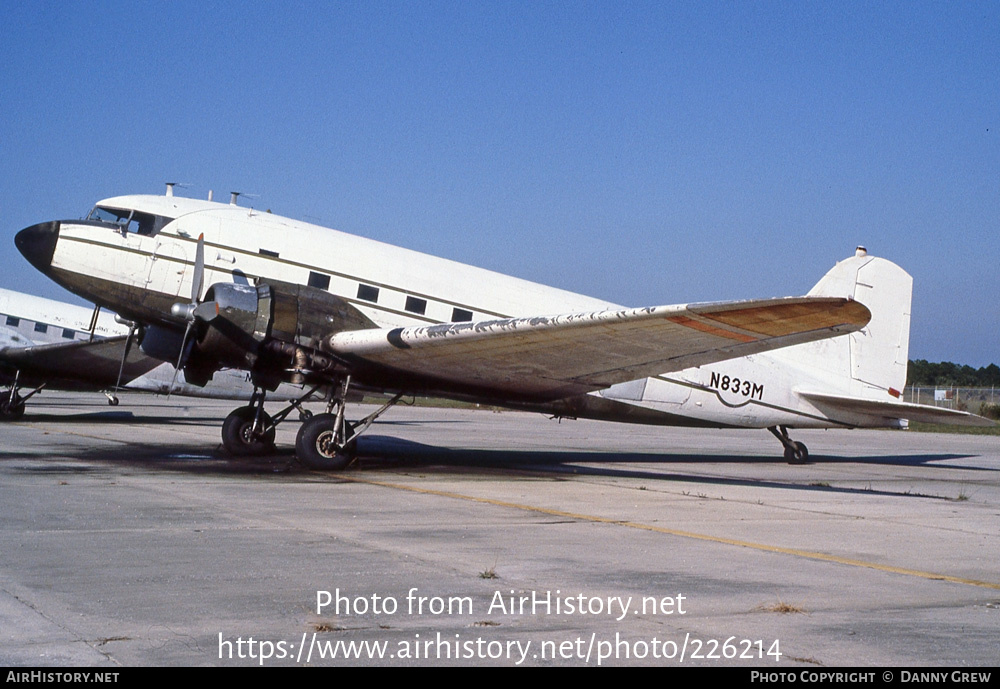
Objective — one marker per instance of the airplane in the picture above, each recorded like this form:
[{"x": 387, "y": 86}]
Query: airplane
[
  {"x": 289, "y": 301},
  {"x": 50, "y": 344}
]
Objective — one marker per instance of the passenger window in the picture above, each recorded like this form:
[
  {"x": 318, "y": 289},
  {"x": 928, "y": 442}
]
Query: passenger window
[
  {"x": 415, "y": 305},
  {"x": 68, "y": 333},
  {"x": 460, "y": 315},
  {"x": 13, "y": 321},
  {"x": 41, "y": 328},
  {"x": 319, "y": 281},
  {"x": 368, "y": 293}
]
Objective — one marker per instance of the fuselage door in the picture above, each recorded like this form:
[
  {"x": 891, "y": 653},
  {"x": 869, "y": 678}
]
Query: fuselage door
[{"x": 168, "y": 266}]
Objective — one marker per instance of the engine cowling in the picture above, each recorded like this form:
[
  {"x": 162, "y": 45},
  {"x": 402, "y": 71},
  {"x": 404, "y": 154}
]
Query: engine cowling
[
  {"x": 272, "y": 329},
  {"x": 243, "y": 320}
]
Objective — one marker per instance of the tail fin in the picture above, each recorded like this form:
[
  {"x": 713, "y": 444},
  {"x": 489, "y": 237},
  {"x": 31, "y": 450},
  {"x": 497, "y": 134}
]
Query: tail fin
[{"x": 873, "y": 359}]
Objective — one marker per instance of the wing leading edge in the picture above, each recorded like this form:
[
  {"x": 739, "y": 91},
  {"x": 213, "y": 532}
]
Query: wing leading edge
[{"x": 551, "y": 357}]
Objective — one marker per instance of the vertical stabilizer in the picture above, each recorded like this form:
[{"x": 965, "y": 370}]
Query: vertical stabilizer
[{"x": 875, "y": 357}]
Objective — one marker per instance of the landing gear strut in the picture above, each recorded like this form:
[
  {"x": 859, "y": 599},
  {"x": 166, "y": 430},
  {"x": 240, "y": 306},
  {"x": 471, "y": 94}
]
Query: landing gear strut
[
  {"x": 795, "y": 452},
  {"x": 250, "y": 430},
  {"x": 11, "y": 401},
  {"x": 11, "y": 405},
  {"x": 327, "y": 441}
]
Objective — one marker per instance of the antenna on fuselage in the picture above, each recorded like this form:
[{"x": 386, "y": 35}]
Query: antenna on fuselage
[
  {"x": 171, "y": 185},
  {"x": 233, "y": 195},
  {"x": 209, "y": 194}
]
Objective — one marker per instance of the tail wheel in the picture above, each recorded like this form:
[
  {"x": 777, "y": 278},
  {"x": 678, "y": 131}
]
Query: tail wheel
[
  {"x": 318, "y": 446},
  {"x": 238, "y": 435},
  {"x": 797, "y": 454}
]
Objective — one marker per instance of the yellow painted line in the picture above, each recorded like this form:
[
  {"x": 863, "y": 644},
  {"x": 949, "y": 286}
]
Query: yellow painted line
[{"x": 809, "y": 554}]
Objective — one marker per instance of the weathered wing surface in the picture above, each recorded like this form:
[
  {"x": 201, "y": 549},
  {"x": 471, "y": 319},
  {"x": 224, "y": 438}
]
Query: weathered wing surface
[
  {"x": 551, "y": 357},
  {"x": 81, "y": 362}
]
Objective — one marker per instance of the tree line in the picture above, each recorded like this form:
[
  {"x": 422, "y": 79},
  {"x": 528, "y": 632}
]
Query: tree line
[{"x": 923, "y": 373}]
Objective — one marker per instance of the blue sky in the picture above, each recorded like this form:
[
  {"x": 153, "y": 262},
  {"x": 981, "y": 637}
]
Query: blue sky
[{"x": 646, "y": 153}]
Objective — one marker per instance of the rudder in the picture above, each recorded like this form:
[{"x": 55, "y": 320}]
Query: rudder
[{"x": 876, "y": 356}]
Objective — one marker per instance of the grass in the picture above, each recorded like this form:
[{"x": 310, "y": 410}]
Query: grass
[
  {"x": 960, "y": 430},
  {"x": 781, "y": 607}
]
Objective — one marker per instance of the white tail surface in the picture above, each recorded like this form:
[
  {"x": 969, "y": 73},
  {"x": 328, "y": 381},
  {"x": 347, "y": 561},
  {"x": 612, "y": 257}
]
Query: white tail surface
[{"x": 875, "y": 357}]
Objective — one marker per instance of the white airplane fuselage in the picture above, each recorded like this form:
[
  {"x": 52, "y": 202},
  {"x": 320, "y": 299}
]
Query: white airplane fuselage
[{"x": 143, "y": 270}]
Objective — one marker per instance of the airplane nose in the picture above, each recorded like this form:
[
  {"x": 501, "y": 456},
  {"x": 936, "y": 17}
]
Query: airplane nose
[{"x": 37, "y": 243}]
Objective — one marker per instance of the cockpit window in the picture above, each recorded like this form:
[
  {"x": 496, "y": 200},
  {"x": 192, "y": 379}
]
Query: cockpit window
[{"x": 129, "y": 220}]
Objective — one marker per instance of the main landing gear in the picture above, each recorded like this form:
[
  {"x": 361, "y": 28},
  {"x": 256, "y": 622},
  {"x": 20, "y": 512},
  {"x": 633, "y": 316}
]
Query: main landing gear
[
  {"x": 325, "y": 441},
  {"x": 12, "y": 402},
  {"x": 795, "y": 452},
  {"x": 250, "y": 430},
  {"x": 328, "y": 441}
]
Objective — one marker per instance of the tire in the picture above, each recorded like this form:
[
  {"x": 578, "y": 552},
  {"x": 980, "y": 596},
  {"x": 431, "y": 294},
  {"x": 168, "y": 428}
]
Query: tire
[
  {"x": 798, "y": 455},
  {"x": 237, "y": 433},
  {"x": 11, "y": 411},
  {"x": 315, "y": 446}
]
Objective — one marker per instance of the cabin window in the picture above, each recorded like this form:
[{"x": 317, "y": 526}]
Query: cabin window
[
  {"x": 128, "y": 220},
  {"x": 13, "y": 321},
  {"x": 268, "y": 252},
  {"x": 460, "y": 315},
  {"x": 415, "y": 305},
  {"x": 368, "y": 293},
  {"x": 69, "y": 333},
  {"x": 319, "y": 281},
  {"x": 41, "y": 328}
]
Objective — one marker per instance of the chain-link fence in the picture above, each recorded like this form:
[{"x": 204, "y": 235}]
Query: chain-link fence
[{"x": 962, "y": 399}]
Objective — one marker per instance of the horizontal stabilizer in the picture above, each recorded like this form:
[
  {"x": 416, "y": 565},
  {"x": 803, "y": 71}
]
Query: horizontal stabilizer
[
  {"x": 551, "y": 357},
  {"x": 924, "y": 413}
]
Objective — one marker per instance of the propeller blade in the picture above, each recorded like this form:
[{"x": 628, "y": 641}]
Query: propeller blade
[
  {"x": 194, "y": 311},
  {"x": 180, "y": 358},
  {"x": 198, "y": 279},
  {"x": 206, "y": 312}
]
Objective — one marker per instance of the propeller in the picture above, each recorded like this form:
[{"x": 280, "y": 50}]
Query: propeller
[{"x": 194, "y": 311}]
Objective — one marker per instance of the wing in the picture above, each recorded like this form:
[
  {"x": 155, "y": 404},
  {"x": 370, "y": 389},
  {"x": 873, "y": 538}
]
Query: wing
[
  {"x": 83, "y": 362},
  {"x": 552, "y": 357}
]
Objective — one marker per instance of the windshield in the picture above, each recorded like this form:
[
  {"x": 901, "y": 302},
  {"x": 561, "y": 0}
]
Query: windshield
[{"x": 129, "y": 220}]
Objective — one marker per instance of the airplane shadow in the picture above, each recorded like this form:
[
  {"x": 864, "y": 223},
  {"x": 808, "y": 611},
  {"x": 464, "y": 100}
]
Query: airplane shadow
[
  {"x": 381, "y": 453},
  {"x": 122, "y": 417}
]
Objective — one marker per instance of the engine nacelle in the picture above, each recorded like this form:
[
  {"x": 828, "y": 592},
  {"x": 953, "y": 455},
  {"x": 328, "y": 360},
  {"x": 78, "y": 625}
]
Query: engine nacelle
[
  {"x": 232, "y": 338},
  {"x": 273, "y": 329},
  {"x": 161, "y": 343}
]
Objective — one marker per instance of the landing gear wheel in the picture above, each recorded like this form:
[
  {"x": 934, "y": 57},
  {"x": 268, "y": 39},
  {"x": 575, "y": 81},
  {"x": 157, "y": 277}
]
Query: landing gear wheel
[
  {"x": 113, "y": 401},
  {"x": 11, "y": 406},
  {"x": 797, "y": 454},
  {"x": 238, "y": 436},
  {"x": 316, "y": 445}
]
